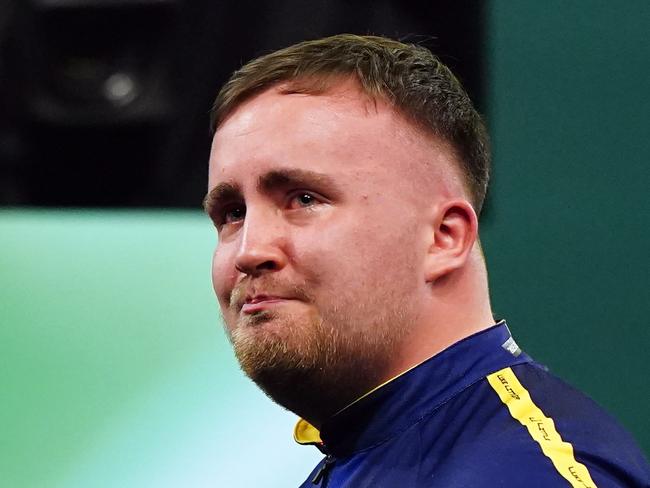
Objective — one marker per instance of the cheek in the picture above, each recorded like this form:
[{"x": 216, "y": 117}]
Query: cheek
[
  {"x": 223, "y": 276},
  {"x": 381, "y": 249},
  {"x": 338, "y": 256}
]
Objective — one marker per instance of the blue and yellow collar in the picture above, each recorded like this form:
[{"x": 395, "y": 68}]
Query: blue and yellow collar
[{"x": 400, "y": 401}]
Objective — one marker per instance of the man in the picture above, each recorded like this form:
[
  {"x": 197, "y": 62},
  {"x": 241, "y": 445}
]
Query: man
[{"x": 346, "y": 179}]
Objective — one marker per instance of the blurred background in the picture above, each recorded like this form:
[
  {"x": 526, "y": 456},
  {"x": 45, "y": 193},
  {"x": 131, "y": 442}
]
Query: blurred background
[{"x": 114, "y": 370}]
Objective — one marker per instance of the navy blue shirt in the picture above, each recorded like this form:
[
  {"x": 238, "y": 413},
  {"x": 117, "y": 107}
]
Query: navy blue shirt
[{"x": 479, "y": 414}]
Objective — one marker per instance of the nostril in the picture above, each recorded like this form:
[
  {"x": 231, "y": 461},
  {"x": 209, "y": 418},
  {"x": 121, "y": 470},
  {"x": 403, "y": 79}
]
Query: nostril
[{"x": 267, "y": 265}]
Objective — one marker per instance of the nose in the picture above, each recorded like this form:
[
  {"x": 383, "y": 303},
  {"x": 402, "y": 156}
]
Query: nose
[{"x": 262, "y": 243}]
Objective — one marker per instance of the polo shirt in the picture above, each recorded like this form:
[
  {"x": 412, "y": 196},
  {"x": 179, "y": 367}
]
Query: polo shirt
[{"x": 481, "y": 413}]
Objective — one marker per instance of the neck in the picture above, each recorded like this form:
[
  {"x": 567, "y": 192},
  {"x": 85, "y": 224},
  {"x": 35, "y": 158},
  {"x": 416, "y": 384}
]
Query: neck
[{"x": 454, "y": 307}]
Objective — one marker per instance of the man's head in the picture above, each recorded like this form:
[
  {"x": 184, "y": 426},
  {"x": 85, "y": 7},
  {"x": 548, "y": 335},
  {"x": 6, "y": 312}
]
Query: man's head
[
  {"x": 411, "y": 79},
  {"x": 344, "y": 175}
]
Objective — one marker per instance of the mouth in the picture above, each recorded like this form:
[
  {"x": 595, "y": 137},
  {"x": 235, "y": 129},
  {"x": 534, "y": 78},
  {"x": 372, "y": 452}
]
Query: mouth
[{"x": 258, "y": 303}]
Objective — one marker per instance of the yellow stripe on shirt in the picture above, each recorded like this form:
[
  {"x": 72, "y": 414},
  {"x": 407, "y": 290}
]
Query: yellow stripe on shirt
[{"x": 540, "y": 427}]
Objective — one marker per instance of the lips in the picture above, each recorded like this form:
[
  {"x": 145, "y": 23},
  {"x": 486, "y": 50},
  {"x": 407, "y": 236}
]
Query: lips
[
  {"x": 257, "y": 303},
  {"x": 248, "y": 296}
]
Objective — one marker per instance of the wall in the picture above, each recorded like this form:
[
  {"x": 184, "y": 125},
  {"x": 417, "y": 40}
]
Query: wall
[
  {"x": 114, "y": 369},
  {"x": 568, "y": 231}
]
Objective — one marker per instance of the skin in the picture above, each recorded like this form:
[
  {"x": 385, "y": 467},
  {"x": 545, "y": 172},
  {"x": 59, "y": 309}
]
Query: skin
[{"x": 347, "y": 248}]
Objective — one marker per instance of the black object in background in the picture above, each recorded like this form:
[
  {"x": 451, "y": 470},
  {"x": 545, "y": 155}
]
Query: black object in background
[{"x": 105, "y": 102}]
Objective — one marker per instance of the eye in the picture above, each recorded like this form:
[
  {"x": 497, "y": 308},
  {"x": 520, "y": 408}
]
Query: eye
[
  {"x": 232, "y": 214},
  {"x": 303, "y": 199}
]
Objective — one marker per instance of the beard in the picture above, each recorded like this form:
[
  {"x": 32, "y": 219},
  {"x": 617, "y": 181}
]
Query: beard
[{"x": 317, "y": 361}]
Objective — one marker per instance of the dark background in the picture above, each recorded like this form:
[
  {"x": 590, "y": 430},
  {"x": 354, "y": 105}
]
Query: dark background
[
  {"x": 105, "y": 104},
  {"x": 107, "y": 101}
]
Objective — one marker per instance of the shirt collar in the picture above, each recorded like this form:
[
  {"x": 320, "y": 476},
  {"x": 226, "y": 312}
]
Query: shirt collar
[{"x": 400, "y": 402}]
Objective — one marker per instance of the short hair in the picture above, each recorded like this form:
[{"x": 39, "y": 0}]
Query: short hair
[{"x": 409, "y": 77}]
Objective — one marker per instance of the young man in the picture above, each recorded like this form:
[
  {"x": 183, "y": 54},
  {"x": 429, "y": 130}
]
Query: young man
[{"x": 346, "y": 179}]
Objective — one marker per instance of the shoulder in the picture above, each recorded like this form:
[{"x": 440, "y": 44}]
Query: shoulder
[
  {"x": 522, "y": 426},
  {"x": 592, "y": 437},
  {"x": 575, "y": 417}
]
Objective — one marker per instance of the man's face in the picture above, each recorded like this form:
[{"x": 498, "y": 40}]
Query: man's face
[{"x": 322, "y": 235}]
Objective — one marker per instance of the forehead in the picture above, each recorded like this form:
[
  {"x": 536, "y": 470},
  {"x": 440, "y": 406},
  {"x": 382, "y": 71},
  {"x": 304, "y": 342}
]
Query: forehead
[
  {"x": 341, "y": 100},
  {"x": 340, "y": 132}
]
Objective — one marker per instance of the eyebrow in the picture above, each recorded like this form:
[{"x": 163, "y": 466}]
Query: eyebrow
[
  {"x": 283, "y": 178},
  {"x": 219, "y": 195},
  {"x": 269, "y": 182}
]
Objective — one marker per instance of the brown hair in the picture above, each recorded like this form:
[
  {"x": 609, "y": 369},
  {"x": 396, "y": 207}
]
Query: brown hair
[{"x": 408, "y": 76}]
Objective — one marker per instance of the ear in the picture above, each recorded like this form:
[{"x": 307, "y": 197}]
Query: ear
[{"x": 455, "y": 230}]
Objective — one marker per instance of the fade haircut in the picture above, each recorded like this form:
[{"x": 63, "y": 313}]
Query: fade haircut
[{"x": 409, "y": 77}]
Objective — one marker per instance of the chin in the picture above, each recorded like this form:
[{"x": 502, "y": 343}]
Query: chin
[{"x": 307, "y": 366}]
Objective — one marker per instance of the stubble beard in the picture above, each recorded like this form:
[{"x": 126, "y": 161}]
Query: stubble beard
[{"x": 315, "y": 365}]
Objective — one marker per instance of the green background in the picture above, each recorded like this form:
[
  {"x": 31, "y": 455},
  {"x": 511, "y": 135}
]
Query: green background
[
  {"x": 114, "y": 370},
  {"x": 568, "y": 236}
]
